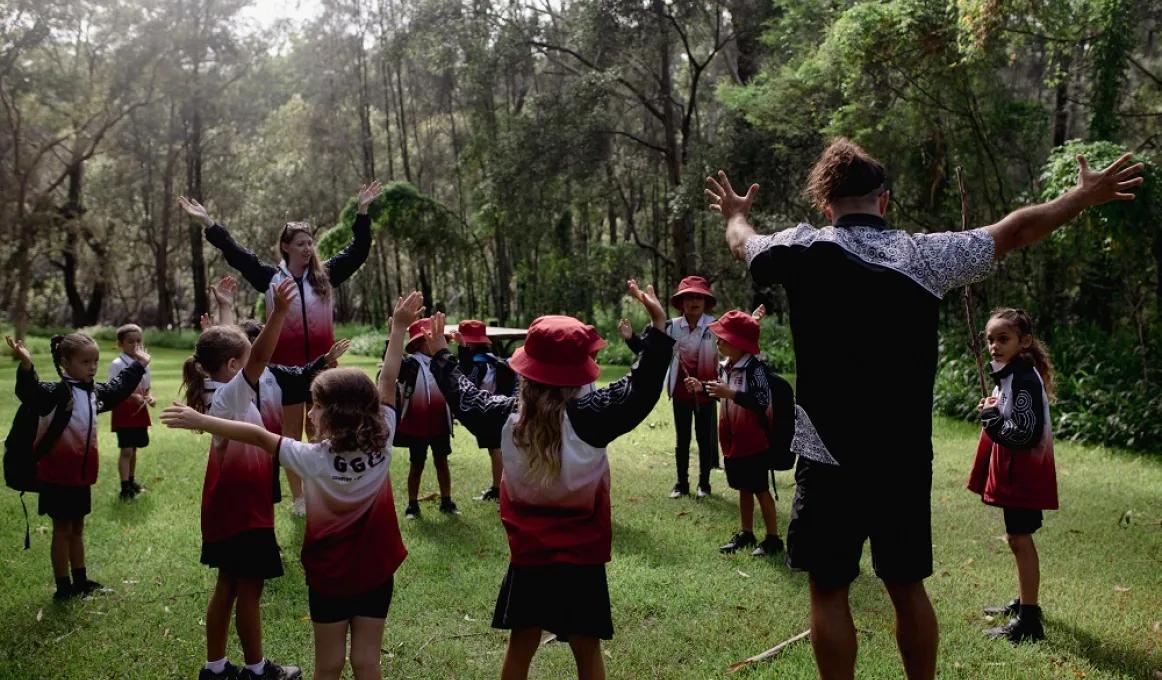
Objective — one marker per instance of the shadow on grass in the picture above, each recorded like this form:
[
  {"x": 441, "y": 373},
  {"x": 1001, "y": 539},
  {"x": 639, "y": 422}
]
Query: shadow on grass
[{"x": 1111, "y": 656}]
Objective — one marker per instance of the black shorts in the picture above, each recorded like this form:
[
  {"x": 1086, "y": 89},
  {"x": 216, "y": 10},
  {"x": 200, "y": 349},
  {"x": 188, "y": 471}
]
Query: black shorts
[
  {"x": 1022, "y": 521},
  {"x": 133, "y": 438},
  {"x": 836, "y": 509},
  {"x": 488, "y": 444},
  {"x": 64, "y": 502},
  {"x": 749, "y": 473},
  {"x": 250, "y": 554},
  {"x": 418, "y": 448},
  {"x": 372, "y": 604},
  {"x": 564, "y": 599}
]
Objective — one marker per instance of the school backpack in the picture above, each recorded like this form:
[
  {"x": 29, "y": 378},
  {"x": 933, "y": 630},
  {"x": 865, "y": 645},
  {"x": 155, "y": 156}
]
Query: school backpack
[
  {"x": 781, "y": 426},
  {"x": 22, "y": 452}
]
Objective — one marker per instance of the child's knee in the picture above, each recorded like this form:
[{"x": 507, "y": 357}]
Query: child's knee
[
  {"x": 62, "y": 528},
  {"x": 78, "y": 527},
  {"x": 330, "y": 664},
  {"x": 418, "y": 459},
  {"x": 364, "y": 661},
  {"x": 1019, "y": 543},
  {"x": 127, "y": 454}
]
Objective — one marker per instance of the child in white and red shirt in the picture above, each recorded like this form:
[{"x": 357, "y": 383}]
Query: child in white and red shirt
[
  {"x": 424, "y": 422},
  {"x": 694, "y": 357},
  {"x": 131, "y": 417},
  {"x": 554, "y": 493},
  {"x": 352, "y": 545}
]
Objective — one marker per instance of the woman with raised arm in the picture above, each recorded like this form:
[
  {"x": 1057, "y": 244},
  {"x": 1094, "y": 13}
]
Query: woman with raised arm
[{"x": 309, "y": 329}]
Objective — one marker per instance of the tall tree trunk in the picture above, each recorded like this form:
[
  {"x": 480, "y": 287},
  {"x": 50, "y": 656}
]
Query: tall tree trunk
[
  {"x": 1061, "y": 106},
  {"x": 194, "y": 191},
  {"x": 401, "y": 121},
  {"x": 368, "y": 141}
]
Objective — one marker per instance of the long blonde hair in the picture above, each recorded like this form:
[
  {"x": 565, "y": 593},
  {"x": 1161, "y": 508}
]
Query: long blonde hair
[
  {"x": 320, "y": 282},
  {"x": 538, "y": 427}
]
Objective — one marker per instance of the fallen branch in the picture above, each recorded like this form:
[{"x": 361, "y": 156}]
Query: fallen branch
[{"x": 773, "y": 651}]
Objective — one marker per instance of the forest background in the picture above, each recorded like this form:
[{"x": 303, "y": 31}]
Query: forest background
[{"x": 539, "y": 152}]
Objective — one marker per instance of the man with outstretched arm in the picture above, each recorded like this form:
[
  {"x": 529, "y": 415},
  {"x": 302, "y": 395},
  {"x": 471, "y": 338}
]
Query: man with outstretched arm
[{"x": 864, "y": 302}]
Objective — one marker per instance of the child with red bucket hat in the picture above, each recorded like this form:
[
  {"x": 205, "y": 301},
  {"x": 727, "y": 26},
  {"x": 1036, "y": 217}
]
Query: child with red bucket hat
[
  {"x": 694, "y": 357},
  {"x": 425, "y": 420},
  {"x": 554, "y": 495},
  {"x": 757, "y": 415},
  {"x": 491, "y": 374}
]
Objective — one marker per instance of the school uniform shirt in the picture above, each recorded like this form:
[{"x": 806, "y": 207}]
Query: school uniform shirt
[
  {"x": 744, "y": 421},
  {"x": 352, "y": 542},
  {"x": 308, "y": 330},
  {"x": 425, "y": 410},
  {"x": 67, "y": 422},
  {"x": 128, "y": 413},
  {"x": 237, "y": 494},
  {"x": 864, "y": 297},
  {"x": 283, "y": 386},
  {"x": 567, "y": 519},
  {"x": 696, "y": 352},
  {"x": 1014, "y": 466}
]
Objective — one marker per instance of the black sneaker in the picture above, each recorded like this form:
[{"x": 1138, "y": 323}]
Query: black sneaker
[
  {"x": 65, "y": 593},
  {"x": 87, "y": 588},
  {"x": 412, "y": 511},
  {"x": 448, "y": 507},
  {"x": 743, "y": 539},
  {"x": 1011, "y": 609},
  {"x": 492, "y": 493},
  {"x": 703, "y": 490},
  {"x": 229, "y": 673},
  {"x": 771, "y": 545},
  {"x": 126, "y": 495},
  {"x": 680, "y": 490},
  {"x": 137, "y": 488},
  {"x": 1025, "y": 627},
  {"x": 271, "y": 671}
]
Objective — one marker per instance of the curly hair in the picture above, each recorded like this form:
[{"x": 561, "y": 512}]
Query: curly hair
[
  {"x": 350, "y": 404},
  {"x": 844, "y": 170},
  {"x": 1036, "y": 354}
]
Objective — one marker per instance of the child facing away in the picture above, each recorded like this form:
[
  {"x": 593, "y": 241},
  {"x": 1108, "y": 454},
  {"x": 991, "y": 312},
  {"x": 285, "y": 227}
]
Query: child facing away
[
  {"x": 1014, "y": 468},
  {"x": 52, "y": 445},
  {"x": 131, "y": 417},
  {"x": 554, "y": 494},
  {"x": 425, "y": 421},
  {"x": 491, "y": 374},
  {"x": 237, "y": 496},
  {"x": 352, "y": 546},
  {"x": 756, "y": 423}
]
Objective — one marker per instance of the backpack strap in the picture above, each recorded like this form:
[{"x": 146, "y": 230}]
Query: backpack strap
[{"x": 27, "y": 526}]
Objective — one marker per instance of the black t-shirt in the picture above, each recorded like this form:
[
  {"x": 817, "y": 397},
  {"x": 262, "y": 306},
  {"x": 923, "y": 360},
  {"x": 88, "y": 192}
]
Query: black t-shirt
[{"x": 865, "y": 305}]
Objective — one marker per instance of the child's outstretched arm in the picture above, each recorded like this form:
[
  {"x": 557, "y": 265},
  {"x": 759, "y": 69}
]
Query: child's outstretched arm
[
  {"x": 267, "y": 340},
  {"x": 223, "y": 293},
  {"x": 479, "y": 411},
  {"x": 610, "y": 412},
  {"x": 29, "y": 389},
  {"x": 407, "y": 310},
  {"x": 1026, "y": 422},
  {"x": 182, "y": 417},
  {"x": 123, "y": 386}
]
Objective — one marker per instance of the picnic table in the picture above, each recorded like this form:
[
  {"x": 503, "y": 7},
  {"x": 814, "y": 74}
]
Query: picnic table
[{"x": 501, "y": 337}]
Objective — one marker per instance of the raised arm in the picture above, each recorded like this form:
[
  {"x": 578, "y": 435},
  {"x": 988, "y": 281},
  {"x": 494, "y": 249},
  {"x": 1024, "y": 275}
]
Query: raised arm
[
  {"x": 348, "y": 261},
  {"x": 1029, "y": 225},
  {"x": 223, "y": 293},
  {"x": 735, "y": 209},
  {"x": 407, "y": 310},
  {"x": 481, "y": 412},
  {"x": 29, "y": 389},
  {"x": 120, "y": 388},
  {"x": 182, "y": 417},
  {"x": 256, "y": 272},
  {"x": 267, "y": 340}
]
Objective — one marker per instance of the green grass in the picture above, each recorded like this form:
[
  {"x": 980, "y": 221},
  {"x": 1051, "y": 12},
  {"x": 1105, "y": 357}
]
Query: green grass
[{"x": 680, "y": 609}]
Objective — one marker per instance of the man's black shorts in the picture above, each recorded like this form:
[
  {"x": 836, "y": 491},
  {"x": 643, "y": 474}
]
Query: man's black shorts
[{"x": 836, "y": 509}]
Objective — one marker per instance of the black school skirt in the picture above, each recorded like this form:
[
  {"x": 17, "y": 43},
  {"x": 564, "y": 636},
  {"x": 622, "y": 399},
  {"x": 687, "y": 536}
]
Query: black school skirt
[{"x": 564, "y": 599}]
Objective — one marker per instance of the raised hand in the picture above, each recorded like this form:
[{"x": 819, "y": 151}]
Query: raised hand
[
  {"x": 759, "y": 313},
  {"x": 367, "y": 194},
  {"x": 625, "y": 329},
  {"x": 649, "y": 300},
  {"x": 21, "y": 352},
  {"x": 726, "y": 201},
  {"x": 1111, "y": 184},
  {"x": 337, "y": 350},
  {"x": 407, "y": 310},
  {"x": 435, "y": 334},
  {"x": 284, "y": 295},
  {"x": 195, "y": 210},
  {"x": 223, "y": 291},
  {"x": 457, "y": 338},
  {"x": 207, "y": 321},
  {"x": 141, "y": 355},
  {"x": 182, "y": 417}
]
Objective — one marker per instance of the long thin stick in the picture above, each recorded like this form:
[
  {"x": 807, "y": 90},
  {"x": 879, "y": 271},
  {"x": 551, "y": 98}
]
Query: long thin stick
[
  {"x": 974, "y": 343},
  {"x": 769, "y": 653}
]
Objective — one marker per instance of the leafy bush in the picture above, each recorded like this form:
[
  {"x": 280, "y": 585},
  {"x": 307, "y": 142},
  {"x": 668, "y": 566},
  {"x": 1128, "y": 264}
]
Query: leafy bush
[{"x": 106, "y": 336}]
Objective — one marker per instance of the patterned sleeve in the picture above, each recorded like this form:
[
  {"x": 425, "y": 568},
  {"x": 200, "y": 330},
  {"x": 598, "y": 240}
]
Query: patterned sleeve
[
  {"x": 769, "y": 257},
  {"x": 757, "y": 396},
  {"x": 1026, "y": 423},
  {"x": 606, "y": 414},
  {"x": 956, "y": 259},
  {"x": 482, "y": 413}
]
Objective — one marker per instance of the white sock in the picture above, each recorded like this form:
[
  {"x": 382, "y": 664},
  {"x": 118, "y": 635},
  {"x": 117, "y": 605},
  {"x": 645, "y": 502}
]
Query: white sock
[
  {"x": 217, "y": 667},
  {"x": 256, "y": 668}
]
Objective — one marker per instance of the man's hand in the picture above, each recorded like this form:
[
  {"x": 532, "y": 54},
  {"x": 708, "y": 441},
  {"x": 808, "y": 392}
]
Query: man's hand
[
  {"x": 1111, "y": 184},
  {"x": 725, "y": 201}
]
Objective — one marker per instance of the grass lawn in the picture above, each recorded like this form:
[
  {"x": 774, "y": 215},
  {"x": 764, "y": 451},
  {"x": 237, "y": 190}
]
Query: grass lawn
[{"x": 680, "y": 609}]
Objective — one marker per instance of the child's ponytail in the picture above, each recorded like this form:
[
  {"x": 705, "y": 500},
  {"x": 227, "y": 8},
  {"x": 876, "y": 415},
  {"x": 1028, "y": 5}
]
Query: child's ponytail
[
  {"x": 538, "y": 427},
  {"x": 194, "y": 384},
  {"x": 1036, "y": 353},
  {"x": 215, "y": 348},
  {"x": 55, "y": 348}
]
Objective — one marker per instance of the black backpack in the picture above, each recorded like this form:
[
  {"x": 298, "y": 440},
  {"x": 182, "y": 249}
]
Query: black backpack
[
  {"x": 22, "y": 453},
  {"x": 781, "y": 428}
]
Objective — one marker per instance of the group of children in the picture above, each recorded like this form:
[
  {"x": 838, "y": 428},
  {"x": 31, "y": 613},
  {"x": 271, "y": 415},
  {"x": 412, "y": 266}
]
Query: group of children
[{"x": 540, "y": 417}]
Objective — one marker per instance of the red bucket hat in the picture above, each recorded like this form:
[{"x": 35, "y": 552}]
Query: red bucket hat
[
  {"x": 596, "y": 342},
  {"x": 694, "y": 285},
  {"x": 739, "y": 329},
  {"x": 474, "y": 332},
  {"x": 556, "y": 352},
  {"x": 416, "y": 332}
]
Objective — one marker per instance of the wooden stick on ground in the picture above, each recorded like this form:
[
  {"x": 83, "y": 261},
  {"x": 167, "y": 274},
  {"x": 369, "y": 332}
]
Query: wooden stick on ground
[
  {"x": 773, "y": 651},
  {"x": 974, "y": 343}
]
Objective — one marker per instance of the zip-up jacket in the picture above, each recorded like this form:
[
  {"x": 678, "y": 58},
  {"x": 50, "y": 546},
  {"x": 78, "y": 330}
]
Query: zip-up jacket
[{"x": 424, "y": 413}]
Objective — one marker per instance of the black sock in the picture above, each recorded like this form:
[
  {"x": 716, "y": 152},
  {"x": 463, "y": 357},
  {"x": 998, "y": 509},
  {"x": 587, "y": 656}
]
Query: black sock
[
  {"x": 132, "y": 481},
  {"x": 444, "y": 500},
  {"x": 1030, "y": 612},
  {"x": 80, "y": 576},
  {"x": 125, "y": 485},
  {"x": 63, "y": 585}
]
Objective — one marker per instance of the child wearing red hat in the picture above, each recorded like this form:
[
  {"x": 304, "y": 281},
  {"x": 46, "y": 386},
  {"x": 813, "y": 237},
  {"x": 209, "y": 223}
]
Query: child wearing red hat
[
  {"x": 554, "y": 495},
  {"x": 425, "y": 420},
  {"x": 491, "y": 374},
  {"x": 694, "y": 357},
  {"x": 757, "y": 415}
]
